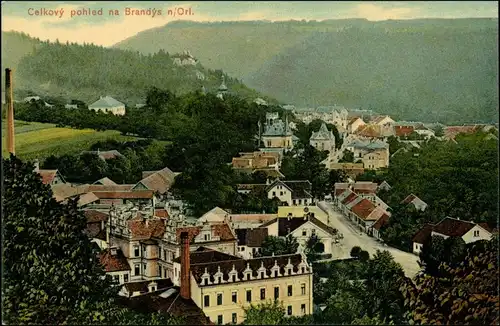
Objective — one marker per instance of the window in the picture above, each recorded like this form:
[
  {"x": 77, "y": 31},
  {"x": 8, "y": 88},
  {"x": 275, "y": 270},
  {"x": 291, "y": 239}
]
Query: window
[
  {"x": 165, "y": 273},
  {"x": 125, "y": 278},
  {"x": 220, "y": 320},
  {"x": 274, "y": 193},
  {"x": 303, "y": 288},
  {"x": 219, "y": 299},
  {"x": 249, "y": 295},
  {"x": 137, "y": 269},
  {"x": 293, "y": 201},
  {"x": 137, "y": 252},
  {"x": 165, "y": 254},
  {"x": 206, "y": 301},
  {"x": 242, "y": 248},
  {"x": 234, "y": 318},
  {"x": 303, "y": 308},
  {"x": 276, "y": 292},
  {"x": 234, "y": 297},
  {"x": 159, "y": 271},
  {"x": 144, "y": 269},
  {"x": 289, "y": 310},
  {"x": 263, "y": 294},
  {"x": 476, "y": 233},
  {"x": 269, "y": 143},
  {"x": 313, "y": 231},
  {"x": 304, "y": 233},
  {"x": 116, "y": 278},
  {"x": 144, "y": 250},
  {"x": 290, "y": 291},
  {"x": 207, "y": 237},
  {"x": 281, "y": 193}
]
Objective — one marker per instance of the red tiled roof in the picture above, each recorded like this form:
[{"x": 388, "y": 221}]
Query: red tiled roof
[
  {"x": 146, "y": 228},
  {"x": 409, "y": 199},
  {"x": 94, "y": 216},
  {"x": 140, "y": 194},
  {"x": 349, "y": 198},
  {"x": 47, "y": 176},
  {"x": 161, "y": 213},
  {"x": 381, "y": 222},
  {"x": 223, "y": 231},
  {"x": 114, "y": 263},
  {"x": 363, "y": 208},
  {"x": 422, "y": 234},
  {"x": 452, "y": 227},
  {"x": 452, "y": 131},
  {"x": 403, "y": 130}
]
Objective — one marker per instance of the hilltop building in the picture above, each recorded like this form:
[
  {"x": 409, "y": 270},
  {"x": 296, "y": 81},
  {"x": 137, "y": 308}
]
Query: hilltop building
[{"x": 184, "y": 59}]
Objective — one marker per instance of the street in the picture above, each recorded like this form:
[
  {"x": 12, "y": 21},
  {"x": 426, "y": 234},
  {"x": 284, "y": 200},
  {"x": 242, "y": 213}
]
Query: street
[{"x": 354, "y": 237}]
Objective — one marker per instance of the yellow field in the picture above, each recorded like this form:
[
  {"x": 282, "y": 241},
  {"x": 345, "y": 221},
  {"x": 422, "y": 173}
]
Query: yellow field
[{"x": 41, "y": 143}]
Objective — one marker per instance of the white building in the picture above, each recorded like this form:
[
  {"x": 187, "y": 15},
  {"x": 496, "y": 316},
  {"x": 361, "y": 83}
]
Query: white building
[
  {"x": 108, "y": 104},
  {"x": 451, "y": 227},
  {"x": 291, "y": 192},
  {"x": 323, "y": 140}
]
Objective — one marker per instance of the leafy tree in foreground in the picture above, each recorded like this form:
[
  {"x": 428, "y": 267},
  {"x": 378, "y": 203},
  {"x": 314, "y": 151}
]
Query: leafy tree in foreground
[
  {"x": 272, "y": 313},
  {"x": 355, "y": 251},
  {"x": 466, "y": 293},
  {"x": 314, "y": 248},
  {"x": 51, "y": 272},
  {"x": 279, "y": 245}
]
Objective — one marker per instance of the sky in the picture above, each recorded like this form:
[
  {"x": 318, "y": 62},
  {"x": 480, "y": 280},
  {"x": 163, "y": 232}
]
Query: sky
[{"x": 69, "y": 22}]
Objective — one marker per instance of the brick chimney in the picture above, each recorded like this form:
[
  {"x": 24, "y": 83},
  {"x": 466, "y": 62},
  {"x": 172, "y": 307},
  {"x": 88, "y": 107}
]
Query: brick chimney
[
  {"x": 9, "y": 101},
  {"x": 185, "y": 264}
]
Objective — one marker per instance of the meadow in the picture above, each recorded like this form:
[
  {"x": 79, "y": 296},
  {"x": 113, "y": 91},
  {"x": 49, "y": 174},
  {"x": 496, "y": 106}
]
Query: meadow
[{"x": 40, "y": 140}]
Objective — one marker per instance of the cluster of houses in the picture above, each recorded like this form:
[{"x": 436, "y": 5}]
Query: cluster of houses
[{"x": 207, "y": 269}]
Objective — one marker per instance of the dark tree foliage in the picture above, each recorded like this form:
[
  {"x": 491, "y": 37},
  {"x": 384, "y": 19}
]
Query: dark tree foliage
[
  {"x": 464, "y": 292},
  {"x": 51, "y": 273},
  {"x": 279, "y": 246},
  {"x": 437, "y": 250}
]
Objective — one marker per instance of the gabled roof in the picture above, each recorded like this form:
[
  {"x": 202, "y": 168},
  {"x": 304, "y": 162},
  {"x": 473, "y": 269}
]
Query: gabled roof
[
  {"x": 369, "y": 131},
  {"x": 251, "y": 237},
  {"x": 354, "y": 120},
  {"x": 106, "y": 102},
  {"x": 401, "y": 131},
  {"x": 48, "y": 176},
  {"x": 105, "y": 155},
  {"x": 414, "y": 200},
  {"x": 62, "y": 191},
  {"x": 160, "y": 181},
  {"x": 364, "y": 187},
  {"x": 298, "y": 188},
  {"x": 112, "y": 188},
  {"x": 113, "y": 263},
  {"x": 87, "y": 199},
  {"x": 221, "y": 230},
  {"x": 422, "y": 234},
  {"x": 322, "y": 134},
  {"x": 381, "y": 222},
  {"x": 142, "y": 286},
  {"x": 205, "y": 255},
  {"x": 452, "y": 227},
  {"x": 322, "y": 226},
  {"x": 146, "y": 228},
  {"x": 105, "y": 182},
  {"x": 379, "y": 119},
  {"x": 384, "y": 185},
  {"x": 363, "y": 209},
  {"x": 94, "y": 216},
  {"x": 287, "y": 226}
]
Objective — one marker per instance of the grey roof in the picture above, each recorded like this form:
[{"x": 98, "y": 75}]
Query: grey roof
[
  {"x": 323, "y": 134},
  {"x": 277, "y": 128},
  {"x": 106, "y": 102},
  {"x": 366, "y": 144}
]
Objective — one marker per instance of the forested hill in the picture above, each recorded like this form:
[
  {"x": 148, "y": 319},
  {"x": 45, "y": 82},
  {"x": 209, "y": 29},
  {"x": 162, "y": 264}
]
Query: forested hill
[
  {"x": 426, "y": 69},
  {"x": 87, "y": 71}
]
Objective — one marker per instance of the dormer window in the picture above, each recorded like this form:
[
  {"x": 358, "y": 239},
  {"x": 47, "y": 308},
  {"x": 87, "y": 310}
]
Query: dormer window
[{"x": 207, "y": 237}]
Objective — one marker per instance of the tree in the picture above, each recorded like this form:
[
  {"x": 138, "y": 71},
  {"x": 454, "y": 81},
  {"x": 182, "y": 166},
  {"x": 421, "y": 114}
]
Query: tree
[
  {"x": 279, "y": 245},
  {"x": 51, "y": 272},
  {"x": 51, "y": 275},
  {"x": 347, "y": 157},
  {"x": 355, "y": 251},
  {"x": 463, "y": 293},
  {"x": 432, "y": 254},
  {"x": 314, "y": 248},
  {"x": 269, "y": 313},
  {"x": 364, "y": 255}
]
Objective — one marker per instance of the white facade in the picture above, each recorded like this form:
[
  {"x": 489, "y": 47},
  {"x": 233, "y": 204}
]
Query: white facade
[{"x": 281, "y": 192}]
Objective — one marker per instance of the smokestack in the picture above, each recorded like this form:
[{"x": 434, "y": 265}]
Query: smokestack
[
  {"x": 10, "y": 112},
  {"x": 185, "y": 264}
]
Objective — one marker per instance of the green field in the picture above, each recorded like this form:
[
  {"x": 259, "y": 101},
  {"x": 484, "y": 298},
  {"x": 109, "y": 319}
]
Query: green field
[{"x": 40, "y": 140}]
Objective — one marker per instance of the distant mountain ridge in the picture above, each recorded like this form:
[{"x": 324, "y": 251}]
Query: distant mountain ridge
[{"x": 425, "y": 69}]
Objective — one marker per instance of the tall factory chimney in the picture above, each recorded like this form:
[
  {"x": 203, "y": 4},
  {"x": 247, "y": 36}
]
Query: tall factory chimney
[
  {"x": 11, "y": 146},
  {"x": 185, "y": 266}
]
